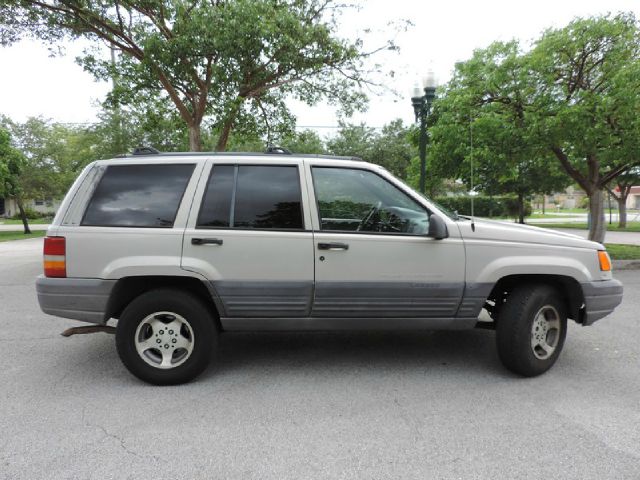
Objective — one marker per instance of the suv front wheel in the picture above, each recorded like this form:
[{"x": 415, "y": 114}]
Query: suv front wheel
[
  {"x": 166, "y": 337},
  {"x": 531, "y": 329}
]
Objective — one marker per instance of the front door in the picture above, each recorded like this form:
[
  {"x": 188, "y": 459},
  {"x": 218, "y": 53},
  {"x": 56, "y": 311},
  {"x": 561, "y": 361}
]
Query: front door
[
  {"x": 372, "y": 256},
  {"x": 249, "y": 237}
]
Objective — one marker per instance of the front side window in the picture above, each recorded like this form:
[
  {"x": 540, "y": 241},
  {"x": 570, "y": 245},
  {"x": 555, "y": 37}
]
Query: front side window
[
  {"x": 361, "y": 201},
  {"x": 138, "y": 196},
  {"x": 253, "y": 197}
]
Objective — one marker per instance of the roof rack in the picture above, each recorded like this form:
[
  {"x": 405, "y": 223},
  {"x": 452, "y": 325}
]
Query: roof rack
[
  {"x": 269, "y": 152},
  {"x": 145, "y": 151},
  {"x": 273, "y": 149}
]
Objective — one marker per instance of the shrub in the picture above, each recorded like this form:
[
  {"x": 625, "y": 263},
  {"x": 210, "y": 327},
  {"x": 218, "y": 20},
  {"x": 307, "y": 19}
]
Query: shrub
[
  {"x": 485, "y": 206},
  {"x": 30, "y": 212}
]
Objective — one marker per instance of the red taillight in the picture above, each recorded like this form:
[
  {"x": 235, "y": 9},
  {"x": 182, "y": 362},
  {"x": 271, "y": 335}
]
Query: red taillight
[{"x": 55, "y": 262}]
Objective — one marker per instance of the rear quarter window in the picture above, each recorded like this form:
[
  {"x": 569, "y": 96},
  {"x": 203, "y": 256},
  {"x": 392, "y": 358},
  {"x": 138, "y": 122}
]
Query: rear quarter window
[{"x": 138, "y": 196}]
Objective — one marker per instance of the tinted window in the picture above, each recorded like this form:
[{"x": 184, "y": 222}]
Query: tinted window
[
  {"x": 359, "y": 200},
  {"x": 268, "y": 197},
  {"x": 216, "y": 205},
  {"x": 138, "y": 196}
]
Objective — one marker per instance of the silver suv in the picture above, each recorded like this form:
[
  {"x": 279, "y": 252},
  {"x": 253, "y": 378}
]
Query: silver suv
[{"x": 181, "y": 247}]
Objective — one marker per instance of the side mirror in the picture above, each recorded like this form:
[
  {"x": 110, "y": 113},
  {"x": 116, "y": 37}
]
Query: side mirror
[{"x": 437, "y": 228}]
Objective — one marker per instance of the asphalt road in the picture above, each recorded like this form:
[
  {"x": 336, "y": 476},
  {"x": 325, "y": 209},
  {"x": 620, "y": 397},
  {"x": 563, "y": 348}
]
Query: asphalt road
[{"x": 305, "y": 406}]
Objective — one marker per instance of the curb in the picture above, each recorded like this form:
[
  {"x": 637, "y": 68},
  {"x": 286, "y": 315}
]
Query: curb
[{"x": 626, "y": 264}]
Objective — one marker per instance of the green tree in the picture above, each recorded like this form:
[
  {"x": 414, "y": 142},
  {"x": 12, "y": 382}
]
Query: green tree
[
  {"x": 587, "y": 97},
  {"x": 229, "y": 61},
  {"x": 12, "y": 163},
  {"x": 305, "y": 141},
  {"x": 621, "y": 189},
  {"x": 482, "y": 123},
  {"x": 390, "y": 147}
]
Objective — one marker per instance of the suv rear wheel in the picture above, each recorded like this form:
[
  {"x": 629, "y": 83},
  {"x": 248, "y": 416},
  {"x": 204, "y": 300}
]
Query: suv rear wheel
[
  {"x": 166, "y": 337},
  {"x": 531, "y": 329}
]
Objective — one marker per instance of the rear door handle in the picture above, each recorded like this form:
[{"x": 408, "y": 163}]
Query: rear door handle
[
  {"x": 333, "y": 246},
  {"x": 206, "y": 241}
]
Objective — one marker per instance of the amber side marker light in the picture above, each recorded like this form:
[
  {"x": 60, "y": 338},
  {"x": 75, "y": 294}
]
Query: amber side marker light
[
  {"x": 605, "y": 261},
  {"x": 55, "y": 260}
]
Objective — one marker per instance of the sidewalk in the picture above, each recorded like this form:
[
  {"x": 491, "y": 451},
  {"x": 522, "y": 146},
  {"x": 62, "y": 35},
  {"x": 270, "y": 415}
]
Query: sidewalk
[
  {"x": 625, "y": 238},
  {"x": 18, "y": 227}
]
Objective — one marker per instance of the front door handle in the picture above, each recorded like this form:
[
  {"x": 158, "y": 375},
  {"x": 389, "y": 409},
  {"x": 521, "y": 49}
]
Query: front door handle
[
  {"x": 206, "y": 241},
  {"x": 333, "y": 246}
]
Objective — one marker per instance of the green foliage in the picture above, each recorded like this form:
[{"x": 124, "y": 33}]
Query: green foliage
[
  {"x": 484, "y": 206},
  {"x": 306, "y": 141},
  {"x": 567, "y": 107},
  {"x": 227, "y": 63},
  {"x": 12, "y": 164},
  {"x": 53, "y": 155},
  {"x": 485, "y": 105},
  {"x": 588, "y": 98},
  {"x": 390, "y": 147},
  {"x": 30, "y": 213}
]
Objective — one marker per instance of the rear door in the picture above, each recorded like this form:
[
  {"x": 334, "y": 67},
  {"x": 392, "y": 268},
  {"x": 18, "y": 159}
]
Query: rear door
[
  {"x": 250, "y": 236},
  {"x": 372, "y": 256}
]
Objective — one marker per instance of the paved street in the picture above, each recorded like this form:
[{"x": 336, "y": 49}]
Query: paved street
[
  {"x": 18, "y": 228},
  {"x": 303, "y": 406}
]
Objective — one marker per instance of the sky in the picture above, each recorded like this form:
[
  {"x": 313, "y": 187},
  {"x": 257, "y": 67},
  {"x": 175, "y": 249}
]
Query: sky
[{"x": 34, "y": 84}]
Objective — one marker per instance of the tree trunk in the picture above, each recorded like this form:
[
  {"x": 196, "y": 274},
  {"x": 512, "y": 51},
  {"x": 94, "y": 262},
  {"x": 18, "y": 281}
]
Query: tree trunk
[
  {"x": 228, "y": 124},
  {"x": 520, "y": 208},
  {"x": 597, "y": 223},
  {"x": 622, "y": 212},
  {"x": 23, "y": 215},
  {"x": 195, "y": 141}
]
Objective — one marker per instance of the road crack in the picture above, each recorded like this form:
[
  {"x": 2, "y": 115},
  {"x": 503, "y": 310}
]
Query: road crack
[{"x": 117, "y": 438}]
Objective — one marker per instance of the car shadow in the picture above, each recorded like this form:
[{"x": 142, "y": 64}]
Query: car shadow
[{"x": 465, "y": 351}]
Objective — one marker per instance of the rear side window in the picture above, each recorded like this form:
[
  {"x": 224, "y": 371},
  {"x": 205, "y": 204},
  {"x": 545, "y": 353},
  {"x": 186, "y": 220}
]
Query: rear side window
[
  {"x": 253, "y": 197},
  {"x": 138, "y": 196}
]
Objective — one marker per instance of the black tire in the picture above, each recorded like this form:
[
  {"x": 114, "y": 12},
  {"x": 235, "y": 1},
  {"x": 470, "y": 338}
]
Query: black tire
[
  {"x": 516, "y": 332},
  {"x": 199, "y": 335}
]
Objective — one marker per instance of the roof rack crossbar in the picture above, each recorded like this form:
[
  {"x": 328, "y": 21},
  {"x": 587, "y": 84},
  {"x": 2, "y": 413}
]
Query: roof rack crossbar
[
  {"x": 277, "y": 150},
  {"x": 145, "y": 151}
]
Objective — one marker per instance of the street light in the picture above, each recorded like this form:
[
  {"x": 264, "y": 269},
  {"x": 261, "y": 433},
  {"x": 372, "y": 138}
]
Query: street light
[{"x": 422, "y": 106}]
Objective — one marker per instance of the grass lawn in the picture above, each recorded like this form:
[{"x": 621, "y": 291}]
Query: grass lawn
[
  {"x": 631, "y": 226},
  {"x": 35, "y": 221},
  {"x": 6, "y": 236},
  {"x": 618, "y": 251},
  {"x": 546, "y": 215}
]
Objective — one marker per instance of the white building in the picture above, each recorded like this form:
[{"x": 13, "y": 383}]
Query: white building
[{"x": 9, "y": 207}]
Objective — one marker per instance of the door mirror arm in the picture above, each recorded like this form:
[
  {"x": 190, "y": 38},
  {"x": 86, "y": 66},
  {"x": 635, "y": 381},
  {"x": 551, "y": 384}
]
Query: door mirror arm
[{"x": 437, "y": 228}]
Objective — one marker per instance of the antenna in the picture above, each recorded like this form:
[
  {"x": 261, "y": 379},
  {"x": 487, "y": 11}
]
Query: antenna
[{"x": 472, "y": 192}]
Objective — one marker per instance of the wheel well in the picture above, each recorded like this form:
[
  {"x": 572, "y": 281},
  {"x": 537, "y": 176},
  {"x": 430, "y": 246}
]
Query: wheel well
[
  {"x": 568, "y": 287},
  {"x": 128, "y": 288}
]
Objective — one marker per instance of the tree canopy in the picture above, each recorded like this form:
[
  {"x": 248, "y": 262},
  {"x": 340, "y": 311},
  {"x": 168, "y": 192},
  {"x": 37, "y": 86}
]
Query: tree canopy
[
  {"x": 12, "y": 165},
  {"x": 575, "y": 96},
  {"x": 389, "y": 147},
  {"x": 587, "y": 101},
  {"x": 482, "y": 124},
  {"x": 232, "y": 62}
]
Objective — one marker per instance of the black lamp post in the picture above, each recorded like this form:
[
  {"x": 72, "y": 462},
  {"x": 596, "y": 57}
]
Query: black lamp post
[{"x": 422, "y": 106}]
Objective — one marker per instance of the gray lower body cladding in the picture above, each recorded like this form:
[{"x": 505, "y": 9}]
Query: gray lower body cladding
[
  {"x": 600, "y": 299},
  {"x": 386, "y": 299},
  {"x": 78, "y": 298},
  {"x": 327, "y": 306},
  {"x": 342, "y": 299},
  {"x": 369, "y": 302}
]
